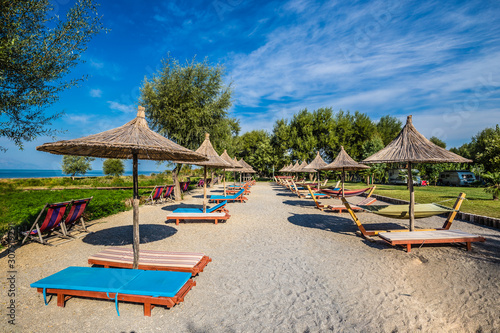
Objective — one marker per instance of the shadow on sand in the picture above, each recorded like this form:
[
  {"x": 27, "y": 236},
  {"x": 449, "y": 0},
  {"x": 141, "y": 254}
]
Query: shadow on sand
[{"x": 123, "y": 235}]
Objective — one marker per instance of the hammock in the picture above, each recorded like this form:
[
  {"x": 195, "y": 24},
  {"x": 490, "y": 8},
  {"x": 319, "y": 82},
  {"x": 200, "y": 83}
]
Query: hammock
[
  {"x": 347, "y": 193},
  {"x": 401, "y": 211}
]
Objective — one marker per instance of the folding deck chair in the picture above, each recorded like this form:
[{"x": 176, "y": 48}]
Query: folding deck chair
[
  {"x": 53, "y": 218},
  {"x": 150, "y": 288},
  {"x": 155, "y": 195},
  {"x": 301, "y": 193},
  {"x": 169, "y": 189},
  {"x": 229, "y": 198},
  {"x": 75, "y": 215},
  {"x": 193, "y": 263}
]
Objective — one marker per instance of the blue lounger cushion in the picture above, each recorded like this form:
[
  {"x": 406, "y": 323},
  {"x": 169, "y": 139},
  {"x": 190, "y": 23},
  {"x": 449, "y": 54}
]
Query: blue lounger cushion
[
  {"x": 200, "y": 210},
  {"x": 116, "y": 280},
  {"x": 234, "y": 196}
]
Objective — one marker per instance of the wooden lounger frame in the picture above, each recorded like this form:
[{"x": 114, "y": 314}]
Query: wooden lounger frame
[
  {"x": 366, "y": 234},
  {"x": 409, "y": 242},
  {"x": 149, "y": 302},
  {"x": 205, "y": 217}
]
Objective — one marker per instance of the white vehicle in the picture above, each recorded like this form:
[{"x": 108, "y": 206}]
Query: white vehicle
[
  {"x": 456, "y": 178},
  {"x": 399, "y": 176}
]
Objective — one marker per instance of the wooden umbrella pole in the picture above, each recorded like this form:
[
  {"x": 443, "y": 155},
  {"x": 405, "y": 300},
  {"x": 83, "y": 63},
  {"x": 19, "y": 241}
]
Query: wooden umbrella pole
[
  {"x": 343, "y": 180},
  {"x": 224, "y": 181},
  {"x": 319, "y": 183},
  {"x": 204, "y": 189},
  {"x": 412, "y": 198},
  {"x": 135, "y": 205}
]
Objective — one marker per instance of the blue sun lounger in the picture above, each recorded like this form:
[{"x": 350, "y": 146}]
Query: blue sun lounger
[
  {"x": 219, "y": 207},
  {"x": 235, "y": 197},
  {"x": 150, "y": 288}
]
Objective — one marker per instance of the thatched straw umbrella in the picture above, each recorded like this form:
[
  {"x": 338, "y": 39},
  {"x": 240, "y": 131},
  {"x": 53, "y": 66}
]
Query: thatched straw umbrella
[
  {"x": 135, "y": 141},
  {"x": 316, "y": 165},
  {"x": 234, "y": 165},
  {"x": 206, "y": 149},
  {"x": 412, "y": 147},
  {"x": 344, "y": 162}
]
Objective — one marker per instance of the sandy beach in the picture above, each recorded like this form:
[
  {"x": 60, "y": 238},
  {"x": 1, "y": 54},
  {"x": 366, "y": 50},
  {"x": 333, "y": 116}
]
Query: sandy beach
[{"x": 279, "y": 265}]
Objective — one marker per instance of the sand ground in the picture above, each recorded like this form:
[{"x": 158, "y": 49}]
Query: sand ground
[{"x": 279, "y": 265}]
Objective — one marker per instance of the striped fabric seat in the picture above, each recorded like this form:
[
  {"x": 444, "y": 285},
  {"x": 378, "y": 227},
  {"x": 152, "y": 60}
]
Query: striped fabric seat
[
  {"x": 151, "y": 260},
  {"x": 53, "y": 218}
]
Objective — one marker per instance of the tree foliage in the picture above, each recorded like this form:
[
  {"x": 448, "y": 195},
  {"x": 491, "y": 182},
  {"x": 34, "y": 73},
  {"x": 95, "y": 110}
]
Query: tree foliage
[
  {"x": 76, "y": 165},
  {"x": 37, "y": 51},
  {"x": 185, "y": 102},
  {"x": 113, "y": 167},
  {"x": 388, "y": 127},
  {"x": 493, "y": 185},
  {"x": 255, "y": 148}
]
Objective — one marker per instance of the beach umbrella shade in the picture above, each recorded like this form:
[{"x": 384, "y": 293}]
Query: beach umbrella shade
[
  {"x": 135, "y": 141},
  {"x": 412, "y": 147},
  {"x": 248, "y": 167},
  {"x": 213, "y": 160},
  {"x": 344, "y": 162},
  {"x": 234, "y": 165},
  {"x": 316, "y": 165}
]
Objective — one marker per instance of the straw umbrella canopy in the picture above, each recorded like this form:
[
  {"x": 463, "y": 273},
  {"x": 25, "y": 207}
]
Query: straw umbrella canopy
[
  {"x": 213, "y": 160},
  {"x": 316, "y": 165},
  {"x": 233, "y": 164},
  {"x": 412, "y": 147},
  {"x": 344, "y": 162},
  {"x": 135, "y": 141}
]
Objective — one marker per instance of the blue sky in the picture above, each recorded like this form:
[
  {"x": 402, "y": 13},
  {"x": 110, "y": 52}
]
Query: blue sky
[{"x": 438, "y": 61}]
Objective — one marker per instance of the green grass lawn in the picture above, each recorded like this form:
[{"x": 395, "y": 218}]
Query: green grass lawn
[
  {"x": 20, "y": 208},
  {"x": 477, "y": 201}
]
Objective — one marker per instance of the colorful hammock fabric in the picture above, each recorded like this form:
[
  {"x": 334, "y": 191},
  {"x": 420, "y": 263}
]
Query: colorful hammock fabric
[
  {"x": 401, "y": 211},
  {"x": 347, "y": 193}
]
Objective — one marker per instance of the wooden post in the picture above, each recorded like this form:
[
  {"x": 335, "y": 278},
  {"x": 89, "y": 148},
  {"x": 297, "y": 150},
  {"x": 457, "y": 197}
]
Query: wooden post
[
  {"x": 224, "y": 180},
  {"x": 135, "y": 206},
  {"x": 319, "y": 178},
  {"x": 412, "y": 198},
  {"x": 343, "y": 180},
  {"x": 205, "y": 189}
]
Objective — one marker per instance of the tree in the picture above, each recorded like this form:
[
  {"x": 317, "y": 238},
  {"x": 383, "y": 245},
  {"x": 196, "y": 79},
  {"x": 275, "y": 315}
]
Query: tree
[
  {"x": 185, "y": 102},
  {"x": 388, "y": 127},
  {"x": 256, "y": 149},
  {"x": 76, "y": 165},
  {"x": 280, "y": 141},
  {"x": 438, "y": 142},
  {"x": 493, "y": 184},
  {"x": 36, "y": 52},
  {"x": 369, "y": 148},
  {"x": 302, "y": 139},
  {"x": 113, "y": 167}
]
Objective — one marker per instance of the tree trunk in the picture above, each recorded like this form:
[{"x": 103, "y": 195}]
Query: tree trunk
[{"x": 177, "y": 186}]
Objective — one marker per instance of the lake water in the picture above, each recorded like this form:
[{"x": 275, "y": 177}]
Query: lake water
[{"x": 20, "y": 173}]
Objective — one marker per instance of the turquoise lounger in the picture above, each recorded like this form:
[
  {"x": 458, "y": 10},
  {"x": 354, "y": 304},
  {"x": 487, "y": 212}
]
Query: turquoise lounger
[
  {"x": 131, "y": 285},
  {"x": 235, "y": 197},
  {"x": 218, "y": 208}
]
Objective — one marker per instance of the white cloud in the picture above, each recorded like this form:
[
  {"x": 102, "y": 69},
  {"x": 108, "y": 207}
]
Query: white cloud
[
  {"x": 372, "y": 57},
  {"x": 121, "y": 107},
  {"x": 96, "y": 64},
  {"x": 95, "y": 92}
]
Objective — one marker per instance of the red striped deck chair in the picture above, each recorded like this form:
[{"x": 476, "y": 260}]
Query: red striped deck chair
[
  {"x": 155, "y": 195},
  {"x": 200, "y": 183},
  {"x": 169, "y": 189},
  {"x": 185, "y": 186},
  {"x": 75, "y": 215},
  {"x": 53, "y": 219}
]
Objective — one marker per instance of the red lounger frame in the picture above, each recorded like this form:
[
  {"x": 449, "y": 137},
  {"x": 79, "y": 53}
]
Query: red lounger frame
[
  {"x": 149, "y": 301},
  {"x": 216, "y": 217}
]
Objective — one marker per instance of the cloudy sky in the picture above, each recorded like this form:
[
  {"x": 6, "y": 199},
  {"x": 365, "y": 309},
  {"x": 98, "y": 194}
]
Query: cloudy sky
[{"x": 438, "y": 61}]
